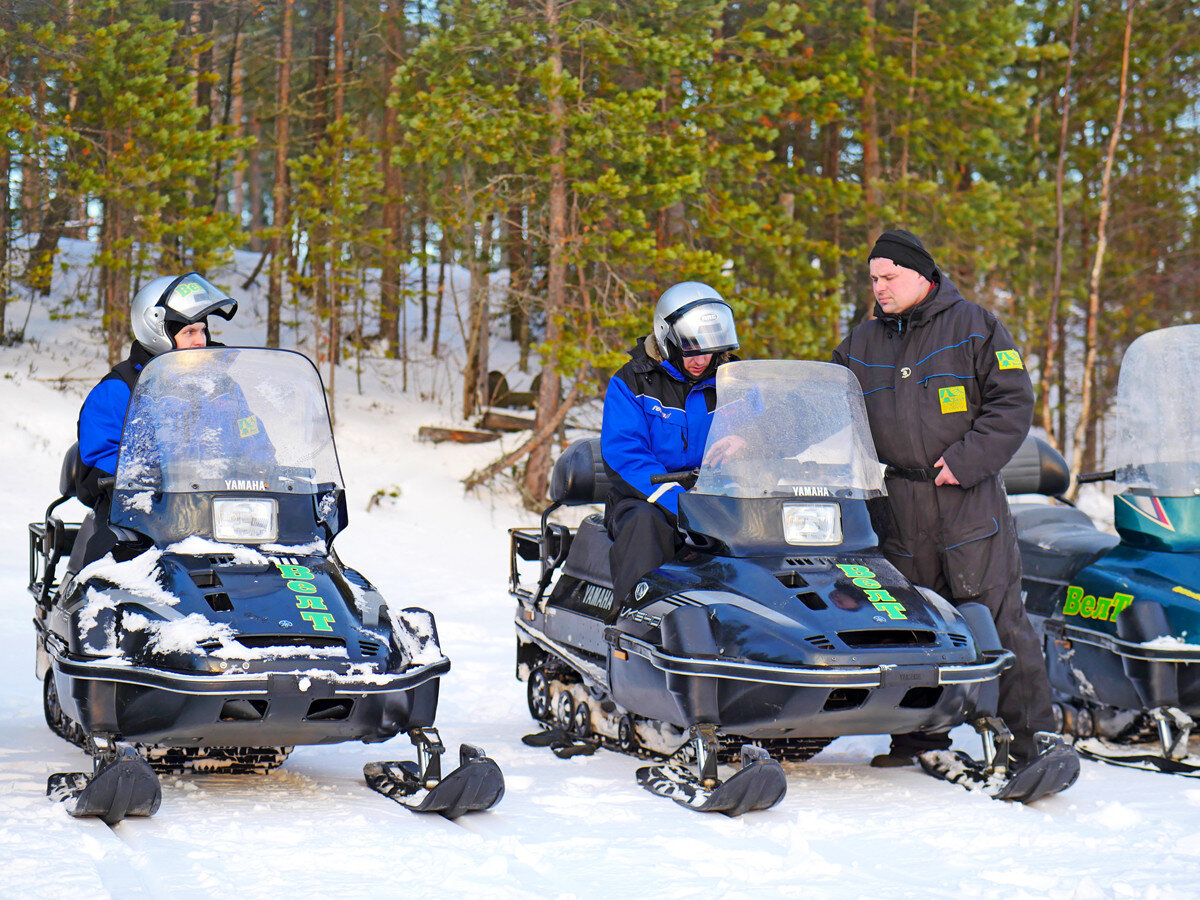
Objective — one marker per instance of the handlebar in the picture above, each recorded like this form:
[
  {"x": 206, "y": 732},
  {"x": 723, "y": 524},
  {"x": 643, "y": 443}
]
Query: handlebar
[
  {"x": 681, "y": 476},
  {"x": 1092, "y": 477}
]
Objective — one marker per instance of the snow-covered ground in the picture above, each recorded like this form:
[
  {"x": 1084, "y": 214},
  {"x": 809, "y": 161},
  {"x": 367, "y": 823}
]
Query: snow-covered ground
[{"x": 565, "y": 828}]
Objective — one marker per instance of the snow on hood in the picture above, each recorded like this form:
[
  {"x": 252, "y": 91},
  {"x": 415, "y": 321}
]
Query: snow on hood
[
  {"x": 314, "y": 548},
  {"x": 198, "y": 546},
  {"x": 89, "y": 617},
  {"x": 139, "y": 575},
  {"x": 187, "y": 634}
]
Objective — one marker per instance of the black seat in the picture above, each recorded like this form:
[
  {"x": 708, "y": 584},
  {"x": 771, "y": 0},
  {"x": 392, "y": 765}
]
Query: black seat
[
  {"x": 71, "y": 473},
  {"x": 1036, "y": 468},
  {"x": 587, "y": 559},
  {"x": 1058, "y": 541},
  {"x": 579, "y": 475}
]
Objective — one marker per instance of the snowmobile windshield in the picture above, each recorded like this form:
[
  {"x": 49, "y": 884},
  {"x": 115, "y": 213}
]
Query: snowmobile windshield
[
  {"x": 227, "y": 419},
  {"x": 785, "y": 428},
  {"x": 1156, "y": 444}
]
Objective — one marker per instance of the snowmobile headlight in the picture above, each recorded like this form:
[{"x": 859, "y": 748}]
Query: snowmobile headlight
[
  {"x": 243, "y": 521},
  {"x": 812, "y": 523}
]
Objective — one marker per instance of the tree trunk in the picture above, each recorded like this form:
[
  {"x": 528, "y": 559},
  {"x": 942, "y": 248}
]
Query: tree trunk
[
  {"x": 320, "y": 249},
  {"x": 443, "y": 249},
  {"x": 237, "y": 117},
  {"x": 1093, "y": 315},
  {"x": 517, "y": 252},
  {"x": 5, "y": 215},
  {"x": 280, "y": 238},
  {"x": 537, "y": 468},
  {"x": 475, "y": 293},
  {"x": 424, "y": 277},
  {"x": 871, "y": 172},
  {"x": 1051, "y": 346},
  {"x": 393, "y": 187}
]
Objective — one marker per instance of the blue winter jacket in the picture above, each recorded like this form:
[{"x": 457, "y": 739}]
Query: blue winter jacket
[
  {"x": 655, "y": 421},
  {"x": 102, "y": 419}
]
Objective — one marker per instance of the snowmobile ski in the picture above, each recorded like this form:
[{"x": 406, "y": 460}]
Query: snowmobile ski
[
  {"x": 758, "y": 784},
  {"x": 122, "y": 784},
  {"x": 1130, "y": 749},
  {"x": 562, "y": 743},
  {"x": 477, "y": 783},
  {"x": 1054, "y": 769}
]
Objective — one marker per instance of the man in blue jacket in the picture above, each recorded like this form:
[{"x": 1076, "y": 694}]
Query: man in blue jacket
[
  {"x": 657, "y": 413},
  {"x": 169, "y": 313}
]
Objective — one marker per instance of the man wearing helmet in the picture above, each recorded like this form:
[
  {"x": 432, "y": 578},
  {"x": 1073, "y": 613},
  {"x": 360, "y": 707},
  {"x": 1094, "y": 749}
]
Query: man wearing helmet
[
  {"x": 169, "y": 313},
  {"x": 657, "y": 413}
]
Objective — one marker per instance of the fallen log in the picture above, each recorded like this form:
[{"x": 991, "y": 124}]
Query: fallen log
[
  {"x": 505, "y": 422},
  {"x": 458, "y": 435}
]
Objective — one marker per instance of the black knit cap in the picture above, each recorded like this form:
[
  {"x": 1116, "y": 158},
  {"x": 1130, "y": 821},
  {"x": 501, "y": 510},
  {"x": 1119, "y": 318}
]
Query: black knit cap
[{"x": 904, "y": 249}]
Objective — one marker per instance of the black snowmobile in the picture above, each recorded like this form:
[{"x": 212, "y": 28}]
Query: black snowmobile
[
  {"x": 1116, "y": 610},
  {"x": 223, "y": 629},
  {"x": 779, "y": 626}
]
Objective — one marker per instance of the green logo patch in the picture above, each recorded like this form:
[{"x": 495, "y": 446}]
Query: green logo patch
[
  {"x": 1009, "y": 359},
  {"x": 248, "y": 427},
  {"x": 953, "y": 399}
]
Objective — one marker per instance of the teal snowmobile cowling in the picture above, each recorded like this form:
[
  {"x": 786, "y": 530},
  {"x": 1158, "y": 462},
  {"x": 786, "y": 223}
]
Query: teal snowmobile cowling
[
  {"x": 1158, "y": 523},
  {"x": 1119, "y": 614}
]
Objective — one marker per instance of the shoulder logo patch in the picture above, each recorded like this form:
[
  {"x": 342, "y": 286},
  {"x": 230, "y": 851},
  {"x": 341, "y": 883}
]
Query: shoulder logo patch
[
  {"x": 247, "y": 427},
  {"x": 953, "y": 399},
  {"x": 1009, "y": 359}
]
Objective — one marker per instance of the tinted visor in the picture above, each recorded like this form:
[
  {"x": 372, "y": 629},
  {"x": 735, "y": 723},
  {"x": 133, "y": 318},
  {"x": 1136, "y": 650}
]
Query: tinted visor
[
  {"x": 703, "y": 326},
  {"x": 192, "y": 298}
]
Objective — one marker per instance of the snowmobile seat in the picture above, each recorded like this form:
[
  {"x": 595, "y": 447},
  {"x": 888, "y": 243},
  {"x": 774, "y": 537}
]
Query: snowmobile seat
[
  {"x": 86, "y": 529},
  {"x": 579, "y": 475},
  {"x": 1036, "y": 468},
  {"x": 587, "y": 559},
  {"x": 71, "y": 473},
  {"x": 1058, "y": 541}
]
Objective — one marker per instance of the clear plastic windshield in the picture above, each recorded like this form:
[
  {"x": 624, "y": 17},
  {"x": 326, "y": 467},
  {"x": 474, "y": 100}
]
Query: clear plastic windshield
[
  {"x": 226, "y": 419},
  {"x": 1156, "y": 444},
  {"x": 786, "y": 428}
]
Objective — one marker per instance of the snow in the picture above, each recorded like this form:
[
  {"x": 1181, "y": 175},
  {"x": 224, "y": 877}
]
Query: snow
[{"x": 565, "y": 828}]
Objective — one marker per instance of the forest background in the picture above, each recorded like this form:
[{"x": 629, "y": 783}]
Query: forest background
[{"x": 577, "y": 157}]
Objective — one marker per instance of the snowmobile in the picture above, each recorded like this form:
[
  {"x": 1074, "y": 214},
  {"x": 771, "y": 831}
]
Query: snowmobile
[
  {"x": 1115, "y": 611},
  {"x": 778, "y": 627},
  {"x": 223, "y": 630}
]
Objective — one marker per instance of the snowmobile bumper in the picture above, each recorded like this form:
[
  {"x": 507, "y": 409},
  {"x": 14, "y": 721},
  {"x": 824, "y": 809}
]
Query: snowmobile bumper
[
  {"x": 758, "y": 699},
  {"x": 994, "y": 663},
  {"x": 313, "y": 706}
]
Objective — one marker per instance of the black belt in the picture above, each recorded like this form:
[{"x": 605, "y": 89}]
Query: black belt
[{"x": 919, "y": 474}]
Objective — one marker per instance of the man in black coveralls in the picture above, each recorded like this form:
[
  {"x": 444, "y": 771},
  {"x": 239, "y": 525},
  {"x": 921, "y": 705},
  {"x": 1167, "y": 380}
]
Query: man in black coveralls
[{"x": 949, "y": 402}]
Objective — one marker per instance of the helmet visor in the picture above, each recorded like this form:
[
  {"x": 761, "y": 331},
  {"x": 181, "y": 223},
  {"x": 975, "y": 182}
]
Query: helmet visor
[
  {"x": 704, "y": 326},
  {"x": 192, "y": 298}
]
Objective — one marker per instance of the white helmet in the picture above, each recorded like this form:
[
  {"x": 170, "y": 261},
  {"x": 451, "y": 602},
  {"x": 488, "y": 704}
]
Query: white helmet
[
  {"x": 178, "y": 299},
  {"x": 691, "y": 318}
]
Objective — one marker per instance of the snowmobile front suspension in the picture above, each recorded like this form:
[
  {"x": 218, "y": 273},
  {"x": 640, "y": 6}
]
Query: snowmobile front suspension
[
  {"x": 996, "y": 742},
  {"x": 758, "y": 784},
  {"x": 1174, "y": 729},
  {"x": 708, "y": 747},
  {"x": 429, "y": 755}
]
